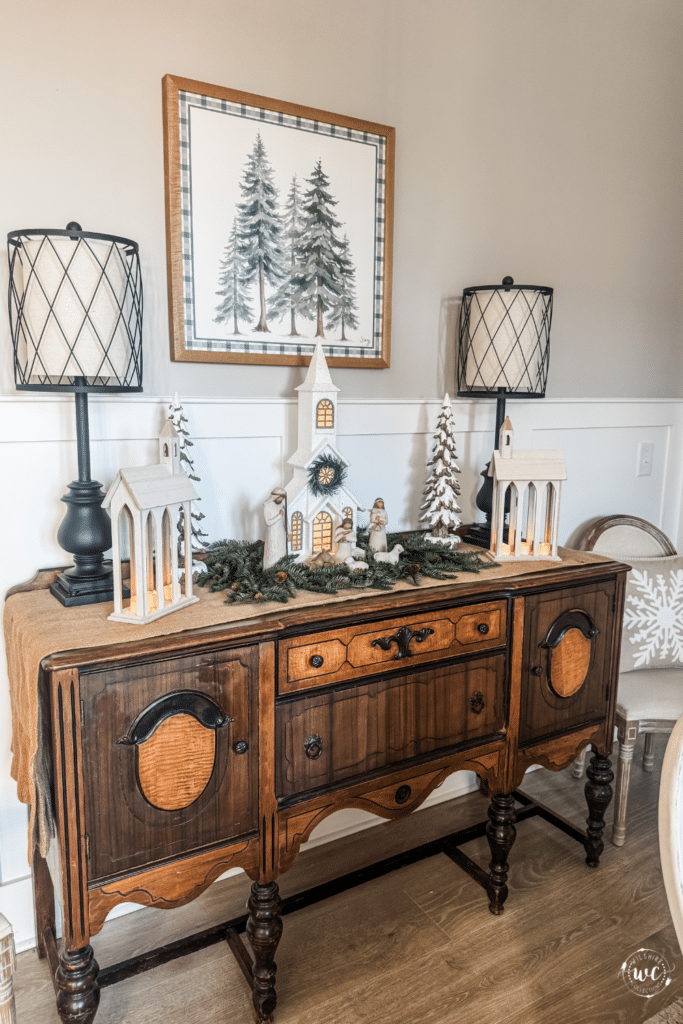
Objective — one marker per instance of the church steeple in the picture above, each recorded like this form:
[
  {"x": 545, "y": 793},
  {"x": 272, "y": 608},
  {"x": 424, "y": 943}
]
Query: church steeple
[{"x": 317, "y": 408}]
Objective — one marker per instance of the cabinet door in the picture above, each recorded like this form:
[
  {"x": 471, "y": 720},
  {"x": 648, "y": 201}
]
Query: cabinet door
[
  {"x": 169, "y": 757},
  {"x": 339, "y": 734},
  {"x": 567, "y": 654}
]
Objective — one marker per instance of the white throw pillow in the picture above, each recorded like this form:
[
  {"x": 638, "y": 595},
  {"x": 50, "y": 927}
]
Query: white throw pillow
[{"x": 653, "y": 614}]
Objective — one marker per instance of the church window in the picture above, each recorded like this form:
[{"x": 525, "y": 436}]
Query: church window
[
  {"x": 322, "y": 532},
  {"x": 297, "y": 529},
  {"x": 324, "y": 414}
]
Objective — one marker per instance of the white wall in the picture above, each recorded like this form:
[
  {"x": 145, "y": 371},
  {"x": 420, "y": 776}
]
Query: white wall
[{"x": 540, "y": 138}]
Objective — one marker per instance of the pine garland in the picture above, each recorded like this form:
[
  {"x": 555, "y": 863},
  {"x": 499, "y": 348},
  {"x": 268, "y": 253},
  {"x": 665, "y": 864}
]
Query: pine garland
[{"x": 237, "y": 568}]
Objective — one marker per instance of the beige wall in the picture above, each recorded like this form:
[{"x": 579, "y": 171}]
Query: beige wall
[{"x": 540, "y": 138}]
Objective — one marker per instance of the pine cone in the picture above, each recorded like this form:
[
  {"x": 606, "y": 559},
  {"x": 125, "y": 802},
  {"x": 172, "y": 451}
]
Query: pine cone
[
  {"x": 235, "y": 586},
  {"x": 280, "y": 577},
  {"x": 258, "y": 596}
]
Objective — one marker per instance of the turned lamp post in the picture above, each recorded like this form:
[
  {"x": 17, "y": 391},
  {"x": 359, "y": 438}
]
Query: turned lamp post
[
  {"x": 75, "y": 309},
  {"x": 503, "y": 352}
]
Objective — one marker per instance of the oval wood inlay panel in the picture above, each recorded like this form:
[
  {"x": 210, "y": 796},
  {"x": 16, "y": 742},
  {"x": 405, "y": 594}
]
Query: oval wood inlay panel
[
  {"x": 569, "y": 663},
  {"x": 176, "y": 763}
]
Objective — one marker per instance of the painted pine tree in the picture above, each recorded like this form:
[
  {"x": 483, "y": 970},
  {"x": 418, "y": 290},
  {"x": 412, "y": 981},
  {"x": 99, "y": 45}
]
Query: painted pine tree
[
  {"x": 179, "y": 420},
  {"x": 442, "y": 487},
  {"x": 232, "y": 286},
  {"x": 343, "y": 307},
  {"x": 288, "y": 300},
  {"x": 259, "y": 227},
  {"x": 320, "y": 276}
]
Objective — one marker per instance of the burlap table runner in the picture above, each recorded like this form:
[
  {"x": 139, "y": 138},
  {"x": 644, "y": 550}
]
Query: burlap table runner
[{"x": 37, "y": 625}]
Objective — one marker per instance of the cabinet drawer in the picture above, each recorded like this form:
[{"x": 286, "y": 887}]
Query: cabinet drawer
[
  {"x": 338, "y": 655},
  {"x": 161, "y": 770},
  {"x": 339, "y": 734}
]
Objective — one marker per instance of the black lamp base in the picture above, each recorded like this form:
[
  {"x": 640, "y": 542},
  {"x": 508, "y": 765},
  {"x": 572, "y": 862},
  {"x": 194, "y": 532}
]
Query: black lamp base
[
  {"x": 71, "y": 588},
  {"x": 478, "y": 534}
]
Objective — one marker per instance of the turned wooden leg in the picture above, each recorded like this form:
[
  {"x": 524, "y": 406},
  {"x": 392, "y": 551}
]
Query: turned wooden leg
[
  {"x": 649, "y": 752},
  {"x": 264, "y": 929},
  {"x": 579, "y": 765},
  {"x": 621, "y": 792},
  {"x": 78, "y": 994},
  {"x": 598, "y": 795},
  {"x": 43, "y": 901},
  {"x": 501, "y": 833}
]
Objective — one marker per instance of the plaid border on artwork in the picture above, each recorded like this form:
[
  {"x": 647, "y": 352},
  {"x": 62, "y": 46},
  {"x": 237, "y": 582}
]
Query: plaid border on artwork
[{"x": 186, "y": 100}]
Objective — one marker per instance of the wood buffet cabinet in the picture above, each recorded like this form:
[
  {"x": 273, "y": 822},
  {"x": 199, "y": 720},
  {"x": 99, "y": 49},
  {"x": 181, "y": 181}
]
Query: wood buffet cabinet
[{"x": 176, "y": 758}]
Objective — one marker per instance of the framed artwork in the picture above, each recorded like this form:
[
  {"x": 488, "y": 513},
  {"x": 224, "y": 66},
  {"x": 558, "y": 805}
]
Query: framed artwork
[{"x": 279, "y": 226}]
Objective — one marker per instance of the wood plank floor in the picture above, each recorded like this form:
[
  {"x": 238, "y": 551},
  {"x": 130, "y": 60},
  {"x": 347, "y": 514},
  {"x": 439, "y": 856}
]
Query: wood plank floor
[{"x": 420, "y": 944}]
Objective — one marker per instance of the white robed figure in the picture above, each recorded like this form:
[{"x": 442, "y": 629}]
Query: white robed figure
[
  {"x": 274, "y": 513},
  {"x": 378, "y": 522}
]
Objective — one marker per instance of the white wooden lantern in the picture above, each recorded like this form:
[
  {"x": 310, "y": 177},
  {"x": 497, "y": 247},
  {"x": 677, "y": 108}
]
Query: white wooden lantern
[
  {"x": 534, "y": 479},
  {"x": 146, "y": 500}
]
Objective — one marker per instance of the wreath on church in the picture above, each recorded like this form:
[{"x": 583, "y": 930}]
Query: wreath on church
[{"x": 326, "y": 475}]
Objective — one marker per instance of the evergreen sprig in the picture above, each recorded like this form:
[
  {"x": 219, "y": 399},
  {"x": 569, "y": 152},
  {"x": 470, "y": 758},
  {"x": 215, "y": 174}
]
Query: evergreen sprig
[{"x": 237, "y": 568}]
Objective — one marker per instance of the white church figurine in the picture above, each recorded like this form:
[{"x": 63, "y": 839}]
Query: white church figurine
[
  {"x": 147, "y": 500},
  {"x": 318, "y": 499},
  {"x": 532, "y": 476}
]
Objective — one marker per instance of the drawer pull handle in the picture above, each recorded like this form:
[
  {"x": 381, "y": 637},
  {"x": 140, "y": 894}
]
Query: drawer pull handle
[
  {"x": 241, "y": 747},
  {"x": 477, "y": 702},
  {"x": 403, "y": 794},
  {"x": 313, "y": 747},
  {"x": 483, "y": 628},
  {"x": 537, "y": 670},
  {"x": 317, "y": 661},
  {"x": 402, "y": 638}
]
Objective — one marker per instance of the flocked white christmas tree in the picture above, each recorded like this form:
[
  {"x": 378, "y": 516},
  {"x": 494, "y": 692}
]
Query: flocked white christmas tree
[
  {"x": 440, "y": 507},
  {"x": 179, "y": 420}
]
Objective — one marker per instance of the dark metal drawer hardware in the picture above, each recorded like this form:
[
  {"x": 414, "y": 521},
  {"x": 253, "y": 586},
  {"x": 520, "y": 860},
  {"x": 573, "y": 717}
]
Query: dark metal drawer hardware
[
  {"x": 313, "y": 747},
  {"x": 403, "y": 794},
  {"x": 241, "y": 747},
  {"x": 477, "y": 702},
  {"x": 569, "y": 620},
  {"x": 402, "y": 638},
  {"x": 483, "y": 628},
  {"x": 317, "y": 661},
  {"x": 537, "y": 670},
  {"x": 181, "y": 702}
]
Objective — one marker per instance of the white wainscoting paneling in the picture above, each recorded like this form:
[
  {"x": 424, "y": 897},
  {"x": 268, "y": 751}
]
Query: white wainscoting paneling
[{"x": 241, "y": 449}]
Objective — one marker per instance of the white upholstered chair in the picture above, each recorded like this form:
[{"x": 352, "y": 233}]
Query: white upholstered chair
[
  {"x": 7, "y": 1007},
  {"x": 671, "y": 826},
  {"x": 649, "y": 700}
]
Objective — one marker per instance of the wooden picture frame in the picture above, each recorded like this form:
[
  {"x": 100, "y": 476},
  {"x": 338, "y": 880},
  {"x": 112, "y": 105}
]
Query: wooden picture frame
[{"x": 279, "y": 223}]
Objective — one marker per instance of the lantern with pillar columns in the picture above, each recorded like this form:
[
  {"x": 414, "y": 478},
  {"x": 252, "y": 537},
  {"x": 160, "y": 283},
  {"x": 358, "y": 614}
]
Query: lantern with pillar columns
[
  {"x": 145, "y": 502},
  {"x": 534, "y": 480}
]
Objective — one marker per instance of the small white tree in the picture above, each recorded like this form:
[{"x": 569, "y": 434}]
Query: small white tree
[
  {"x": 440, "y": 507},
  {"x": 179, "y": 420}
]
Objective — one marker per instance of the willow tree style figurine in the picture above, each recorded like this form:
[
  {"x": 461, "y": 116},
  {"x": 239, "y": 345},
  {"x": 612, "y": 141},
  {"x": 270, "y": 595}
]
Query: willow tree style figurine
[{"x": 442, "y": 487}]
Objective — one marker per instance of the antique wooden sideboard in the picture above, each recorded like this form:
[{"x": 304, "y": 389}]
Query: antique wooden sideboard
[{"x": 178, "y": 757}]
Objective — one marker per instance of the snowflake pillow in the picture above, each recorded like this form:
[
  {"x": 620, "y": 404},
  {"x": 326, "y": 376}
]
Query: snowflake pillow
[{"x": 653, "y": 614}]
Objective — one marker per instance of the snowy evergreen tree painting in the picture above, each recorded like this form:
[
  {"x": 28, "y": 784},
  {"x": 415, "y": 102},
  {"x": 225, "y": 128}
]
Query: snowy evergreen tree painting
[
  {"x": 179, "y": 420},
  {"x": 288, "y": 301},
  {"x": 320, "y": 276},
  {"x": 259, "y": 227},
  {"x": 442, "y": 487},
  {"x": 343, "y": 307},
  {"x": 233, "y": 286}
]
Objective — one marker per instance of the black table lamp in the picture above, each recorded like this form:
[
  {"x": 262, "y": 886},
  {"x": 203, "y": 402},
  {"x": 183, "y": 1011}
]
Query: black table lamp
[
  {"x": 75, "y": 309},
  {"x": 503, "y": 351}
]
